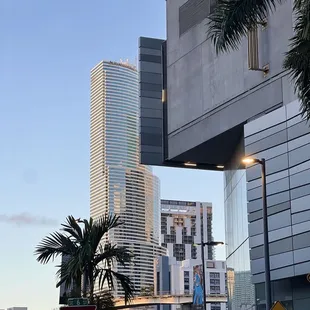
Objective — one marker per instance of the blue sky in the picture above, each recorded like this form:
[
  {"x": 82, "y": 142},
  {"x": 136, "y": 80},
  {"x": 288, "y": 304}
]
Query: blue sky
[{"x": 46, "y": 53}]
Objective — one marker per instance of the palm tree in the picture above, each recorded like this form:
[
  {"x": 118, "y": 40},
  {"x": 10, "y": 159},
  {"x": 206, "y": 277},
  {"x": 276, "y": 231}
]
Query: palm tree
[
  {"x": 104, "y": 300},
  {"x": 231, "y": 20},
  {"x": 87, "y": 257}
]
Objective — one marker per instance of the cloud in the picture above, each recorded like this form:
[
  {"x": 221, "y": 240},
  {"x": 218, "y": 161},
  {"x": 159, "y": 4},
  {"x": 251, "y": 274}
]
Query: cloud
[{"x": 27, "y": 219}]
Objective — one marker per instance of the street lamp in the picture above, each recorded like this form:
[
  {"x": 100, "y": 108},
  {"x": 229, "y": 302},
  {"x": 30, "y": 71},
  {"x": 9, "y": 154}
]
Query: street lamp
[
  {"x": 262, "y": 162},
  {"x": 203, "y": 244}
]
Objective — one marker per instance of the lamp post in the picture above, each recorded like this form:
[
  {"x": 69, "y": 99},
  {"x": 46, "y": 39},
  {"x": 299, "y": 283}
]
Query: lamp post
[
  {"x": 203, "y": 244},
  {"x": 262, "y": 163}
]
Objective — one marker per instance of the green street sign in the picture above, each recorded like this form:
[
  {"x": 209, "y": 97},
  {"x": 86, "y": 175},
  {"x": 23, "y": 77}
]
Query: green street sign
[{"x": 77, "y": 301}]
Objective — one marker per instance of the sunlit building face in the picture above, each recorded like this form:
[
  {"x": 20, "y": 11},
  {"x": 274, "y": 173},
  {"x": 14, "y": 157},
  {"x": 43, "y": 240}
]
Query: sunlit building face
[{"x": 118, "y": 183}]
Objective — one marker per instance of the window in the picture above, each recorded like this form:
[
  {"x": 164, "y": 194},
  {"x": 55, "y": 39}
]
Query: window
[
  {"x": 210, "y": 265},
  {"x": 194, "y": 252},
  {"x": 186, "y": 282},
  {"x": 214, "y": 275},
  {"x": 215, "y": 289},
  {"x": 169, "y": 239},
  {"x": 215, "y": 306},
  {"x": 179, "y": 251},
  {"x": 172, "y": 230},
  {"x": 187, "y": 239},
  {"x": 158, "y": 282}
]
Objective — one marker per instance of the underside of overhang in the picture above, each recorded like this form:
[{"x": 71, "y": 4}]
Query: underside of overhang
[{"x": 213, "y": 154}]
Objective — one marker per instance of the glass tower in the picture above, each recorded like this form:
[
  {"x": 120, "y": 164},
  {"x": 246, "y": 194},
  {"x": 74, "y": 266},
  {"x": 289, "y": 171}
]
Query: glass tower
[{"x": 118, "y": 183}]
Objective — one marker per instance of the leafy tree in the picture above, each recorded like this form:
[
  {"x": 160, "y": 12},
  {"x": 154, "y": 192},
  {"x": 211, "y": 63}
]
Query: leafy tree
[
  {"x": 104, "y": 300},
  {"x": 147, "y": 291},
  {"x": 231, "y": 20},
  {"x": 87, "y": 256}
]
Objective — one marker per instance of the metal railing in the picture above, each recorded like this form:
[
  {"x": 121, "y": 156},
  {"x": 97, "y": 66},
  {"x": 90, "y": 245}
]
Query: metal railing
[
  {"x": 172, "y": 294},
  {"x": 184, "y": 293},
  {"x": 166, "y": 297}
]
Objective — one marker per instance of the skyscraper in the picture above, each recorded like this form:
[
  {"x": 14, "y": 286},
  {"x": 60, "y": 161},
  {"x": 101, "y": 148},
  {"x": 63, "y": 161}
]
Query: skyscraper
[
  {"x": 118, "y": 183},
  {"x": 182, "y": 225}
]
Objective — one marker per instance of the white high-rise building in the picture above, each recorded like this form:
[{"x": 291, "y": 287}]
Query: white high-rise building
[
  {"x": 182, "y": 225},
  {"x": 118, "y": 183},
  {"x": 176, "y": 278}
]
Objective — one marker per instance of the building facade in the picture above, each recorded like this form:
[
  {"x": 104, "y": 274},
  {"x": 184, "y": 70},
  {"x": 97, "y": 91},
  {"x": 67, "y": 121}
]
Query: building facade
[
  {"x": 65, "y": 291},
  {"x": 182, "y": 226},
  {"x": 118, "y": 183},
  {"x": 213, "y": 111},
  {"x": 241, "y": 291},
  {"x": 282, "y": 137},
  {"x": 177, "y": 278}
]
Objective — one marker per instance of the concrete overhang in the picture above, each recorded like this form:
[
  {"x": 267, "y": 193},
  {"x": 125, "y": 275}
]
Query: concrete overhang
[{"x": 213, "y": 153}]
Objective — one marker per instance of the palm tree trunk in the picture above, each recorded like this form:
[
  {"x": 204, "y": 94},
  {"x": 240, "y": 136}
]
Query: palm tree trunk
[
  {"x": 91, "y": 284},
  {"x": 85, "y": 284}
]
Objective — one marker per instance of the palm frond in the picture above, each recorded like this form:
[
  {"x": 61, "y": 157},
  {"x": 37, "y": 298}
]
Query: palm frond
[
  {"x": 297, "y": 59},
  {"x": 110, "y": 253},
  {"x": 231, "y": 20},
  {"x": 73, "y": 228},
  {"x": 52, "y": 246},
  {"x": 108, "y": 276},
  {"x": 103, "y": 300},
  {"x": 86, "y": 255},
  {"x": 70, "y": 271},
  {"x": 101, "y": 227}
]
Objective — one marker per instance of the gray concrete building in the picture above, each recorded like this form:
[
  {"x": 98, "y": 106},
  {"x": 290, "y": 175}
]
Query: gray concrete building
[{"x": 203, "y": 111}]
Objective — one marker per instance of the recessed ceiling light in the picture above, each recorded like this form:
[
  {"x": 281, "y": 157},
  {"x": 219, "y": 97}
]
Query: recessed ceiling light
[{"x": 189, "y": 164}]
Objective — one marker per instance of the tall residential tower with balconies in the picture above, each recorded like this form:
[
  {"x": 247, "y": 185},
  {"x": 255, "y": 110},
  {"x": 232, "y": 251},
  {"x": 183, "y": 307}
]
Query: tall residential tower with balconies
[
  {"x": 182, "y": 226},
  {"x": 118, "y": 183}
]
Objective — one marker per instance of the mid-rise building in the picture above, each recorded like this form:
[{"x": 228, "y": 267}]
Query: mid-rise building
[
  {"x": 182, "y": 226},
  {"x": 177, "y": 278},
  {"x": 216, "y": 109},
  {"x": 118, "y": 183},
  {"x": 64, "y": 290}
]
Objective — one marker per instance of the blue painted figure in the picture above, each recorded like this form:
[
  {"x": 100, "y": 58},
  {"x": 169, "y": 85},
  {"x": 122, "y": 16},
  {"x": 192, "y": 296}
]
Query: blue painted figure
[{"x": 198, "y": 290}]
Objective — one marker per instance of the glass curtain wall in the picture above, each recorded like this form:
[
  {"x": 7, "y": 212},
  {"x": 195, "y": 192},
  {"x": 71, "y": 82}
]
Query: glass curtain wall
[{"x": 241, "y": 293}]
